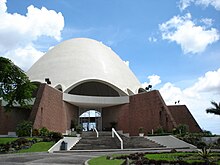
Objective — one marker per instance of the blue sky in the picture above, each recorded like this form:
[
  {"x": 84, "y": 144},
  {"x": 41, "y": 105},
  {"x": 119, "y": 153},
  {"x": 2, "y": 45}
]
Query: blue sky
[{"x": 173, "y": 45}]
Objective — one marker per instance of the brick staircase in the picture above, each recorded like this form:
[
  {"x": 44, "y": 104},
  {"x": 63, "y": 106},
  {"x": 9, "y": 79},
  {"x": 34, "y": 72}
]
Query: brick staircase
[{"x": 89, "y": 141}]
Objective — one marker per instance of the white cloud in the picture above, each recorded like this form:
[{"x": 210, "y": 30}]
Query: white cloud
[
  {"x": 17, "y": 32},
  {"x": 23, "y": 57},
  {"x": 191, "y": 38},
  {"x": 210, "y": 82},
  {"x": 183, "y": 4},
  {"x": 153, "y": 80},
  {"x": 197, "y": 98},
  {"x": 186, "y": 3},
  {"x": 207, "y": 21}
]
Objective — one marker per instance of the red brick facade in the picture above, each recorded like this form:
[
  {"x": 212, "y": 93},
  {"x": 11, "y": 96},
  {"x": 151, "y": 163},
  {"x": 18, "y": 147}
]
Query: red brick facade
[
  {"x": 182, "y": 115},
  {"x": 147, "y": 110},
  {"x": 10, "y": 119}
]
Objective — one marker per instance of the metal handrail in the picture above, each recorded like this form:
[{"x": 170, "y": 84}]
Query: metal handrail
[
  {"x": 114, "y": 132},
  {"x": 97, "y": 133}
]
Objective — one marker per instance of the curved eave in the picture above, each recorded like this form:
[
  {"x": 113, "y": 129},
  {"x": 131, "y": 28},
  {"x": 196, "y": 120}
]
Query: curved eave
[{"x": 96, "y": 102}]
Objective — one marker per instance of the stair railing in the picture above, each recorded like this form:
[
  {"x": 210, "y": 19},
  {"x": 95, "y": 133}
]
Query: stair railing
[
  {"x": 97, "y": 133},
  {"x": 115, "y": 133}
]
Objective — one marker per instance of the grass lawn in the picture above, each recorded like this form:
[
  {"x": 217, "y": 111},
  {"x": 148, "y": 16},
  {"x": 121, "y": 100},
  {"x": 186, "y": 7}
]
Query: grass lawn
[
  {"x": 102, "y": 160},
  {"x": 38, "y": 147},
  {"x": 5, "y": 140},
  {"x": 188, "y": 157}
]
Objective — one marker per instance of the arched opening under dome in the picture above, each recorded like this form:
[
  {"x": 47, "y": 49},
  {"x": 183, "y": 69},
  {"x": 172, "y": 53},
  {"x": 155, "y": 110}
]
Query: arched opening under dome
[
  {"x": 93, "y": 88},
  {"x": 90, "y": 119},
  {"x": 141, "y": 90},
  {"x": 59, "y": 87}
]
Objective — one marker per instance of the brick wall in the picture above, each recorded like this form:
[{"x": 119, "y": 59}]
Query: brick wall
[
  {"x": 149, "y": 111},
  {"x": 182, "y": 115},
  {"x": 49, "y": 111},
  {"x": 146, "y": 110},
  {"x": 72, "y": 113},
  {"x": 9, "y": 120},
  {"x": 119, "y": 114}
]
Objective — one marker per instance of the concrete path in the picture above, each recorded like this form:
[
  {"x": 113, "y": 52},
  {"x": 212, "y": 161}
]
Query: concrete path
[
  {"x": 170, "y": 142},
  {"x": 71, "y": 141}
]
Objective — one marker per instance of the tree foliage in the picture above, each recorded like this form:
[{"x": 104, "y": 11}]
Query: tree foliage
[
  {"x": 15, "y": 86},
  {"x": 215, "y": 109}
]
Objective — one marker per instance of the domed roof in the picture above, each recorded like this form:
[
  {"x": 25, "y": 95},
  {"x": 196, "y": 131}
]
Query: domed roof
[{"x": 81, "y": 60}]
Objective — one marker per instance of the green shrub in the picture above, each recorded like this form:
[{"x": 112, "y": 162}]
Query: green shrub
[
  {"x": 207, "y": 133},
  {"x": 44, "y": 132},
  {"x": 182, "y": 129},
  {"x": 5, "y": 147},
  {"x": 159, "y": 130},
  {"x": 79, "y": 128},
  {"x": 24, "y": 128},
  {"x": 56, "y": 136},
  {"x": 218, "y": 141},
  {"x": 35, "y": 132}
]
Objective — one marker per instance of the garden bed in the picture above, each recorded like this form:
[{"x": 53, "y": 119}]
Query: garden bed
[{"x": 181, "y": 158}]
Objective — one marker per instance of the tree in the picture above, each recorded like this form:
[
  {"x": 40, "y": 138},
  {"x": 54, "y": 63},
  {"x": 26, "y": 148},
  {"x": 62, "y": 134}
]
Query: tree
[
  {"x": 15, "y": 86},
  {"x": 215, "y": 110}
]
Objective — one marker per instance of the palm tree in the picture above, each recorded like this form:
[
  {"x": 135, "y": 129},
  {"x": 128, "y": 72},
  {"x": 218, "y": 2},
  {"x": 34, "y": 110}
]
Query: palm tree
[{"x": 215, "y": 110}]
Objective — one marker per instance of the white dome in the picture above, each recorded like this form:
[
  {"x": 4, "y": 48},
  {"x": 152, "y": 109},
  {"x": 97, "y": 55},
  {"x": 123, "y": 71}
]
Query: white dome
[{"x": 81, "y": 60}]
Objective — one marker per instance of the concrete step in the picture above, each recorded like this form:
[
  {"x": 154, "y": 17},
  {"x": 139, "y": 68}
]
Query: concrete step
[
  {"x": 89, "y": 142},
  {"x": 170, "y": 142},
  {"x": 139, "y": 142},
  {"x": 105, "y": 141}
]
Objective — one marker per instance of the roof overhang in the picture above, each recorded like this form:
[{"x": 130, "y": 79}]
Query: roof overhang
[{"x": 94, "y": 102}]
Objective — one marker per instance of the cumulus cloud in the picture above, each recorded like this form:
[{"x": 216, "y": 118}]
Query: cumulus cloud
[
  {"x": 153, "y": 80},
  {"x": 197, "y": 97},
  {"x": 191, "y": 37},
  {"x": 186, "y": 3},
  {"x": 23, "y": 57},
  {"x": 17, "y": 32},
  {"x": 210, "y": 82}
]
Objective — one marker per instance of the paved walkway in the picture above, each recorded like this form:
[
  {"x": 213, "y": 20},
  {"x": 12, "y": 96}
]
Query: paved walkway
[{"x": 170, "y": 142}]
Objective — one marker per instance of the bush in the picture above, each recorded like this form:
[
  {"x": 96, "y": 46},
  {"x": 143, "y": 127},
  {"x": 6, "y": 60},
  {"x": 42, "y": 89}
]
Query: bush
[
  {"x": 79, "y": 129},
  {"x": 18, "y": 144},
  {"x": 182, "y": 129},
  {"x": 35, "y": 132},
  {"x": 4, "y": 147},
  {"x": 141, "y": 130},
  {"x": 56, "y": 136},
  {"x": 24, "y": 128},
  {"x": 159, "y": 130},
  {"x": 201, "y": 145},
  {"x": 218, "y": 141},
  {"x": 44, "y": 132}
]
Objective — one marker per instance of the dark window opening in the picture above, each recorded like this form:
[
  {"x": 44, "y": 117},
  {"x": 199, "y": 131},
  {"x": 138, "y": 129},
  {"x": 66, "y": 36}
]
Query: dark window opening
[
  {"x": 141, "y": 90},
  {"x": 94, "y": 89}
]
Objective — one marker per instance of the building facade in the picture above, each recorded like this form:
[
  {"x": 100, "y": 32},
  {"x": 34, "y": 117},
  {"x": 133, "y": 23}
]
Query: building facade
[{"x": 82, "y": 81}]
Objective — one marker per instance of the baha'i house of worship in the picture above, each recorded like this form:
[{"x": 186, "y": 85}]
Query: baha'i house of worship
[{"x": 83, "y": 81}]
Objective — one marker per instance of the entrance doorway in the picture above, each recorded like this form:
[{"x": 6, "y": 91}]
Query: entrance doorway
[{"x": 90, "y": 118}]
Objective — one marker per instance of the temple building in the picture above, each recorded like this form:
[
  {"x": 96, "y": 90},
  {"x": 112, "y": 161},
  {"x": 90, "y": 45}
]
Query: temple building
[{"x": 83, "y": 81}]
